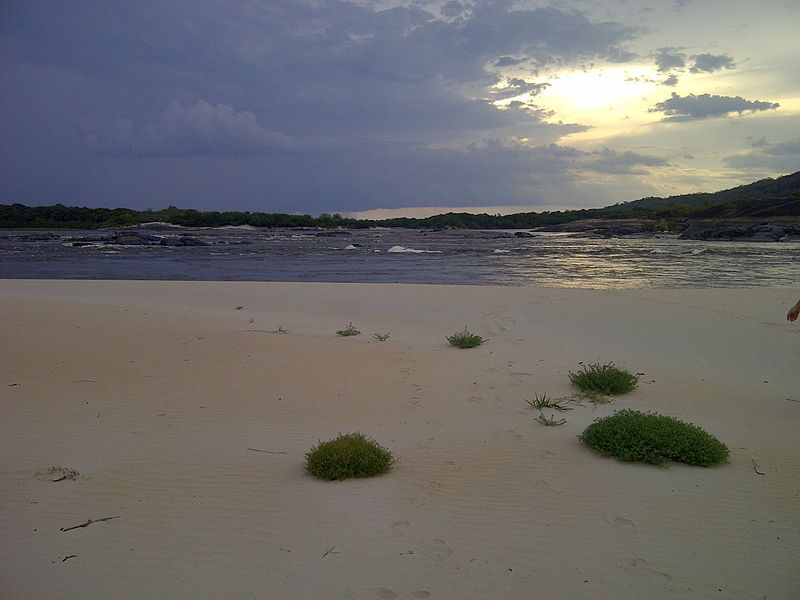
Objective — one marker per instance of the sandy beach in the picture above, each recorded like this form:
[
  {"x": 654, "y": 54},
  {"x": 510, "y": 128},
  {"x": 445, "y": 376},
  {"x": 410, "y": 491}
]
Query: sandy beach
[{"x": 187, "y": 409}]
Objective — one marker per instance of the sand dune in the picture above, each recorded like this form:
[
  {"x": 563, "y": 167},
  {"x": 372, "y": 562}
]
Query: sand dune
[{"x": 187, "y": 411}]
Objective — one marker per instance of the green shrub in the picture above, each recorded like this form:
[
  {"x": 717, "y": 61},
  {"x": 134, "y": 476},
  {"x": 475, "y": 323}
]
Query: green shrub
[
  {"x": 605, "y": 380},
  {"x": 350, "y": 455},
  {"x": 349, "y": 330},
  {"x": 465, "y": 339},
  {"x": 631, "y": 436}
]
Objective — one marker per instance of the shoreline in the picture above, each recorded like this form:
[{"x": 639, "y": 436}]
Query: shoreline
[{"x": 156, "y": 391}]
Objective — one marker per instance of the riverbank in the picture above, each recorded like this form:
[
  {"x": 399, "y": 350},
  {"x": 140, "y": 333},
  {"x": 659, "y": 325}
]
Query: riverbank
[{"x": 186, "y": 409}]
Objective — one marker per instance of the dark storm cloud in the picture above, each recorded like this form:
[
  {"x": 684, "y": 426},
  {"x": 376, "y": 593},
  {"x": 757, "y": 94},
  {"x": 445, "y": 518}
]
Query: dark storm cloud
[
  {"x": 331, "y": 104},
  {"x": 199, "y": 130},
  {"x": 706, "y": 106}
]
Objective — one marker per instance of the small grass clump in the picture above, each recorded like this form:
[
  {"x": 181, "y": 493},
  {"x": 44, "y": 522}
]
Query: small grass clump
[
  {"x": 465, "y": 339},
  {"x": 381, "y": 337},
  {"x": 349, "y": 455},
  {"x": 550, "y": 421},
  {"x": 58, "y": 473},
  {"x": 603, "y": 380},
  {"x": 349, "y": 330},
  {"x": 540, "y": 402},
  {"x": 633, "y": 436}
]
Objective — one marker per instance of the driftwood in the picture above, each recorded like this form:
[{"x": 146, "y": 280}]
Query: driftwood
[
  {"x": 330, "y": 551},
  {"x": 89, "y": 522},
  {"x": 755, "y": 467},
  {"x": 268, "y": 451}
]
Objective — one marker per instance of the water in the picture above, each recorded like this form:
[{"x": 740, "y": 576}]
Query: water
[{"x": 404, "y": 256}]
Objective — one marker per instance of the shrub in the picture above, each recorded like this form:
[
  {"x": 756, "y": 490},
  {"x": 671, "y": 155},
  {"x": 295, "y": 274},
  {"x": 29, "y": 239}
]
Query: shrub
[
  {"x": 606, "y": 380},
  {"x": 631, "y": 436},
  {"x": 465, "y": 339},
  {"x": 350, "y": 455},
  {"x": 349, "y": 330},
  {"x": 381, "y": 337}
]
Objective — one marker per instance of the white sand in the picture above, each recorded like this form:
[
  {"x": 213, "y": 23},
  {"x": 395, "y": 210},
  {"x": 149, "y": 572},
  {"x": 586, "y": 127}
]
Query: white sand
[{"x": 154, "y": 392}]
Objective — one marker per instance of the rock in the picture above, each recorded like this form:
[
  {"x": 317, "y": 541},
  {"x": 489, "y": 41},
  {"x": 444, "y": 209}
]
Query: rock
[
  {"x": 135, "y": 239},
  {"x": 523, "y": 234},
  {"x": 335, "y": 233},
  {"x": 190, "y": 241}
]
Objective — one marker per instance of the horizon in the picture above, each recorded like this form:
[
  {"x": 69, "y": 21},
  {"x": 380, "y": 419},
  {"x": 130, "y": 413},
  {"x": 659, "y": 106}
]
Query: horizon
[{"x": 394, "y": 106}]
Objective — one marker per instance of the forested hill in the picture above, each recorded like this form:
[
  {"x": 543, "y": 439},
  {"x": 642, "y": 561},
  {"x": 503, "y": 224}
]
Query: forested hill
[
  {"x": 766, "y": 189},
  {"x": 762, "y": 199}
]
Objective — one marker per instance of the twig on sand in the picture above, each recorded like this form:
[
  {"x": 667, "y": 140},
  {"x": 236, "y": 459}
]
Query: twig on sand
[
  {"x": 756, "y": 466},
  {"x": 268, "y": 451},
  {"x": 66, "y": 558},
  {"x": 89, "y": 522},
  {"x": 330, "y": 551}
]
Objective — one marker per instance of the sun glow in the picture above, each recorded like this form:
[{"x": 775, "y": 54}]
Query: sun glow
[
  {"x": 607, "y": 89},
  {"x": 605, "y": 99}
]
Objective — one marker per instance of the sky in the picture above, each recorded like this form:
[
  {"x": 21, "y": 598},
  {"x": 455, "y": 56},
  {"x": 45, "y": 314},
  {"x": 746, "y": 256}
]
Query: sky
[{"x": 384, "y": 108}]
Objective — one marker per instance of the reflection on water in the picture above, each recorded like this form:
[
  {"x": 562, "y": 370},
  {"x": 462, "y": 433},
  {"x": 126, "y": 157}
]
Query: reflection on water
[{"x": 404, "y": 256}]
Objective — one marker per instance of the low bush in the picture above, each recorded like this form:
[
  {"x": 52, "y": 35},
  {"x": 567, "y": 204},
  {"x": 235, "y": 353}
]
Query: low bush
[
  {"x": 603, "y": 380},
  {"x": 349, "y": 455},
  {"x": 634, "y": 436},
  {"x": 349, "y": 330},
  {"x": 465, "y": 339}
]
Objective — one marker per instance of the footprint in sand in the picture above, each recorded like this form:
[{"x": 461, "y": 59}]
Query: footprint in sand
[
  {"x": 438, "y": 551},
  {"x": 640, "y": 565},
  {"x": 382, "y": 593},
  {"x": 619, "y": 521},
  {"x": 399, "y": 528}
]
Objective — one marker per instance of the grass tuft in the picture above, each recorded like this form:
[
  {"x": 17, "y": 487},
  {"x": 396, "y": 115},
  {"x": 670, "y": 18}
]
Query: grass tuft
[
  {"x": 550, "y": 421},
  {"x": 540, "y": 402},
  {"x": 465, "y": 339},
  {"x": 349, "y": 455},
  {"x": 58, "y": 473},
  {"x": 633, "y": 436},
  {"x": 603, "y": 380},
  {"x": 349, "y": 330},
  {"x": 381, "y": 337}
]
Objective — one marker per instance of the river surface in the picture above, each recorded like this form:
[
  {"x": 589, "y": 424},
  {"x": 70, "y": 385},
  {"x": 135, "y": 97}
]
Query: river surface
[{"x": 490, "y": 257}]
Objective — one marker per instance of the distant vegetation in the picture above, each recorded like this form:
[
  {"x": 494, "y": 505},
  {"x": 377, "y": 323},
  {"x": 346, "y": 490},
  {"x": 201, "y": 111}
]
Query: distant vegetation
[{"x": 765, "y": 198}]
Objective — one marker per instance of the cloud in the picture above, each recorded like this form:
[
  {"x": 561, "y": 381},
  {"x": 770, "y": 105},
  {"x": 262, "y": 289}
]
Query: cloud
[
  {"x": 706, "y": 106},
  {"x": 708, "y": 63},
  {"x": 789, "y": 148},
  {"x": 669, "y": 58},
  {"x": 605, "y": 160},
  {"x": 670, "y": 81},
  {"x": 517, "y": 87},
  {"x": 782, "y": 156},
  {"x": 200, "y": 130}
]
